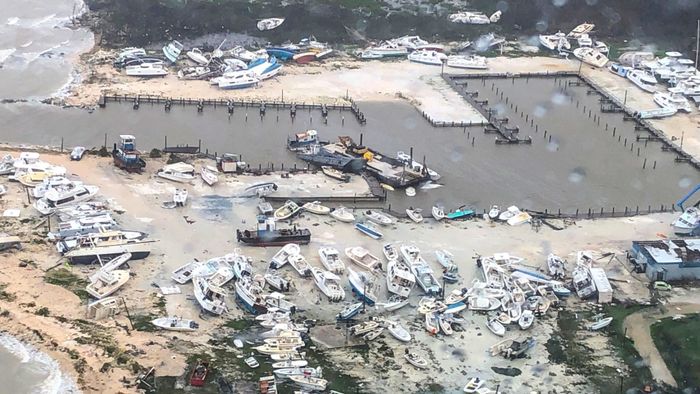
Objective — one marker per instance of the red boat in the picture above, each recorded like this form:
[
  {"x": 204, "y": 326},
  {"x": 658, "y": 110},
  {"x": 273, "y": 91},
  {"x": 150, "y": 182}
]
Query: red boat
[
  {"x": 199, "y": 374},
  {"x": 305, "y": 57}
]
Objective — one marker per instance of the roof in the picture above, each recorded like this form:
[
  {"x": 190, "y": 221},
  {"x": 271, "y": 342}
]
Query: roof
[
  {"x": 127, "y": 137},
  {"x": 672, "y": 251}
]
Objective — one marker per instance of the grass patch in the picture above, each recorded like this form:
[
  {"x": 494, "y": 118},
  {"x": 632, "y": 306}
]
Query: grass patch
[
  {"x": 43, "y": 311},
  {"x": 4, "y": 295},
  {"x": 240, "y": 324},
  {"x": 143, "y": 323},
  {"x": 678, "y": 341},
  {"x": 65, "y": 278}
]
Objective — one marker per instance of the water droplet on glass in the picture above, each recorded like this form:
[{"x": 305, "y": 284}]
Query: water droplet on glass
[
  {"x": 553, "y": 145},
  {"x": 559, "y": 3},
  {"x": 559, "y": 99},
  {"x": 539, "y": 111},
  {"x": 541, "y": 26},
  {"x": 685, "y": 182},
  {"x": 577, "y": 175}
]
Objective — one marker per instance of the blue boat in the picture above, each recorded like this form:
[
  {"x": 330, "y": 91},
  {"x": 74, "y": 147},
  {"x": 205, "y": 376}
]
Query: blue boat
[
  {"x": 362, "y": 285},
  {"x": 280, "y": 53},
  {"x": 455, "y": 308},
  {"x": 460, "y": 213},
  {"x": 350, "y": 311},
  {"x": 368, "y": 230}
]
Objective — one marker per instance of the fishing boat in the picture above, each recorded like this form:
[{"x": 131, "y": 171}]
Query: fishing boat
[
  {"x": 267, "y": 234},
  {"x": 196, "y": 55},
  {"x": 390, "y": 252},
  {"x": 329, "y": 283},
  {"x": 316, "y": 208},
  {"x": 289, "y": 209},
  {"x": 199, "y": 374},
  {"x": 460, "y": 213},
  {"x": 363, "y": 285},
  {"x": 343, "y": 214},
  {"x": 415, "y": 214},
  {"x": 495, "y": 327},
  {"x": 600, "y": 323},
  {"x": 591, "y": 56},
  {"x": 269, "y": 23},
  {"x": 302, "y": 140},
  {"x": 672, "y": 100},
  {"x": 46, "y": 183},
  {"x": 209, "y": 175},
  {"x": 687, "y": 222},
  {"x": 526, "y": 319},
  {"x": 282, "y": 256},
  {"x": 483, "y": 304},
  {"x": 419, "y": 267},
  {"x": 309, "y": 382},
  {"x": 350, "y": 311},
  {"x": 474, "y": 385},
  {"x": 146, "y": 70},
  {"x": 211, "y": 298},
  {"x": 378, "y": 217},
  {"x": 107, "y": 283},
  {"x": 438, "y": 212},
  {"x": 62, "y": 197},
  {"x": 368, "y": 230},
  {"x": 175, "y": 323},
  {"x": 177, "y": 172},
  {"x": 469, "y": 62},
  {"x": 363, "y": 258},
  {"x": 642, "y": 79},
  {"x": 335, "y": 174},
  {"x": 300, "y": 265},
  {"x": 172, "y": 50},
  {"x": 432, "y": 325},
  {"x": 399, "y": 278},
  {"x": 415, "y": 360},
  {"x": 398, "y": 331},
  {"x": 330, "y": 258},
  {"x": 556, "y": 266}
]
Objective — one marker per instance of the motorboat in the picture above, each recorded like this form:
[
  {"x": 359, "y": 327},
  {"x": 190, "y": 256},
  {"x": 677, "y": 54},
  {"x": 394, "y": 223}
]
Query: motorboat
[
  {"x": 335, "y": 174},
  {"x": 410, "y": 42},
  {"x": 687, "y": 222},
  {"x": 643, "y": 80},
  {"x": 63, "y": 197},
  {"x": 304, "y": 57},
  {"x": 526, "y": 319},
  {"x": 241, "y": 266},
  {"x": 433, "y": 58},
  {"x": 438, "y": 212},
  {"x": 555, "y": 42},
  {"x": 146, "y": 70},
  {"x": 300, "y": 265},
  {"x": 107, "y": 283},
  {"x": 280, "y": 349},
  {"x": 600, "y": 323},
  {"x": 209, "y": 175},
  {"x": 276, "y": 281},
  {"x": 309, "y": 382},
  {"x": 368, "y": 230},
  {"x": 239, "y": 81},
  {"x": 432, "y": 325},
  {"x": 239, "y": 53},
  {"x": 211, "y": 298},
  {"x": 495, "y": 327},
  {"x": 269, "y": 23},
  {"x": 559, "y": 289},
  {"x": 395, "y": 302},
  {"x": 286, "y": 211},
  {"x": 184, "y": 274},
  {"x": 284, "y": 373},
  {"x": 460, "y": 213},
  {"x": 363, "y": 285},
  {"x": 179, "y": 198},
  {"x": 172, "y": 50},
  {"x": 350, "y": 311},
  {"x": 364, "y": 327},
  {"x": 390, "y": 252},
  {"x": 496, "y": 16},
  {"x": 290, "y": 364},
  {"x": 259, "y": 189},
  {"x": 415, "y": 214},
  {"x": 198, "y": 57},
  {"x": 330, "y": 258},
  {"x": 591, "y": 56},
  {"x": 398, "y": 331},
  {"x": 584, "y": 40},
  {"x": 249, "y": 293},
  {"x": 199, "y": 373},
  {"x": 470, "y": 17},
  {"x": 399, "y": 278},
  {"x": 457, "y": 295},
  {"x": 101, "y": 237},
  {"x": 175, "y": 323},
  {"x": 289, "y": 355},
  {"x": 378, "y": 217},
  {"x": 509, "y": 213},
  {"x": 474, "y": 385},
  {"x": 317, "y": 208},
  {"x": 265, "y": 207},
  {"x": 407, "y": 159},
  {"x": 48, "y": 183},
  {"x": 385, "y": 49},
  {"x": 276, "y": 301},
  {"x": 601, "y": 47},
  {"x": 415, "y": 360},
  {"x": 446, "y": 259},
  {"x": 372, "y": 335},
  {"x": 177, "y": 172},
  {"x": 419, "y": 267},
  {"x": 445, "y": 325},
  {"x": 672, "y": 100},
  {"x": 469, "y": 62},
  {"x": 251, "y": 362},
  {"x": 363, "y": 258},
  {"x": 82, "y": 226},
  {"x": 197, "y": 72},
  {"x": 282, "y": 256},
  {"x": 583, "y": 28},
  {"x": 582, "y": 281},
  {"x": 556, "y": 266},
  {"x": 77, "y": 153},
  {"x": 519, "y": 218},
  {"x": 329, "y": 283},
  {"x": 410, "y": 191},
  {"x": 483, "y": 303}
]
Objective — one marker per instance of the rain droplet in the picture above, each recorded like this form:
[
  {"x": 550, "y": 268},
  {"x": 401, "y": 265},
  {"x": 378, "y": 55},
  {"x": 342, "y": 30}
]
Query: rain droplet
[
  {"x": 685, "y": 182},
  {"x": 541, "y": 26},
  {"x": 539, "y": 111},
  {"x": 559, "y": 3},
  {"x": 577, "y": 175}
]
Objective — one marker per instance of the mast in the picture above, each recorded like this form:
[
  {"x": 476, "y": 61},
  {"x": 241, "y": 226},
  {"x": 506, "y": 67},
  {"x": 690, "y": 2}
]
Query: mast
[{"x": 697, "y": 44}]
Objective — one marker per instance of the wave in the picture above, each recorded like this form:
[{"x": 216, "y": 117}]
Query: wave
[
  {"x": 43, "y": 20},
  {"x": 12, "y": 21},
  {"x": 26, "y": 44},
  {"x": 5, "y": 53}
]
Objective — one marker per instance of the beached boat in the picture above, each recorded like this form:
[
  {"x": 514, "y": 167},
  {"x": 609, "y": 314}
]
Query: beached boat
[
  {"x": 368, "y": 230},
  {"x": 432, "y": 325},
  {"x": 519, "y": 218},
  {"x": 350, "y": 311},
  {"x": 267, "y": 234},
  {"x": 329, "y": 283},
  {"x": 582, "y": 281},
  {"x": 470, "y": 17},
  {"x": 378, "y": 217},
  {"x": 300, "y": 265},
  {"x": 446, "y": 259},
  {"x": 177, "y": 172},
  {"x": 583, "y": 28},
  {"x": 526, "y": 319},
  {"x": 259, "y": 189},
  {"x": 415, "y": 360},
  {"x": 600, "y": 323},
  {"x": 289, "y": 209},
  {"x": 410, "y": 191},
  {"x": 276, "y": 281},
  {"x": 316, "y": 208},
  {"x": 291, "y": 355},
  {"x": 687, "y": 222},
  {"x": 556, "y": 266},
  {"x": 199, "y": 374},
  {"x": 385, "y": 49},
  {"x": 438, "y": 212},
  {"x": 399, "y": 278},
  {"x": 469, "y": 62},
  {"x": 251, "y": 362},
  {"x": 287, "y": 372},
  {"x": 277, "y": 349},
  {"x": 240, "y": 80},
  {"x": 146, "y": 70},
  {"x": 672, "y": 100},
  {"x": 483, "y": 304},
  {"x": 415, "y": 214},
  {"x": 495, "y": 327},
  {"x": 174, "y": 323},
  {"x": 335, "y": 174},
  {"x": 269, "y": 23},
  {"x": 196, "y": 55},
  {"x": 282, "y": 256},
  {"x": 211, "y": 298},
  {"x": 642, "y": 79},
  {"x": 62, "y": 197},
  {"x": 107, "y": 283},
  {"x": 390, "y": 252},
  {"x": 584, "y": 40},
  {"x": 343, "y": 214},
  {"x": 107, "y": 251},
  {"x": 209, "y": 175},
  {"x": 179, "y": 197},
  {"x": 372, "y": 335},
  {"x": 445, "y": 325},
  {"x": 290, "y": 364},
  {"x": 460, "y": 213},
  {"x": 591, "y": 56},
  {"x": 265, "y": 207},
  {"x": 474, "y": 385},
  {"x": 398, "y": 331},
  {"x": 427, "y": 57},
  {"x": 330, "y": 258},
  {"x": 304, "y": 57},
  {"x": 512, "y": 348},
  {"x": 559, "y": 289},
  {"x": 363, "y": 258},
  {"x": 555, "y": 41},
  {"x": 395, "y": 302},
  {"x": 99, "y": 237},
  {"x": 419, "y": 267},
  {"x": 276, "y": 301},
  {"x": 364, "y": 327},
  {"x": 309, "y": 382},
  {"x": 363, "y": 285},
  {"x": 194, "y": 73},
  {"x": 172, "y": 50}
]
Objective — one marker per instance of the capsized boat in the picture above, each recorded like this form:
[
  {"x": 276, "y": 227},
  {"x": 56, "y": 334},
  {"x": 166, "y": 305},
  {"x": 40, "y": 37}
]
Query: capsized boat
[
  {"x": 687, "y": 222},
  {"x": 368, "y": 230},
  {"x": 330, "y": 258},
  {"x": 329, "y": 283},
  {"x": 175, "y": 323}
]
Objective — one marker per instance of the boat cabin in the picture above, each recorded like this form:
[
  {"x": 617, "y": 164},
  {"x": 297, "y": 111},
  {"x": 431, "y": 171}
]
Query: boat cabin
[
  {"x": 126, "y": 157},
  {"x": 230, "y": 162}
]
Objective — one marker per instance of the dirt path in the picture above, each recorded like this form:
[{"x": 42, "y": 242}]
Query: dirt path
[{"x": 637, "y": 328}]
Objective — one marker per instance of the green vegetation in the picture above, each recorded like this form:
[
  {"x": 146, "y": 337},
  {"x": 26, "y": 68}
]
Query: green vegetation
[
  {"x": 143, "y": 323},
  {"x": 4, "y": 295},
  {"x": 678, "y": 341},
  {"x": 155, "y": 153},
  {"x": 43, "y": 311},
  {"x": 65, "y": 278}
]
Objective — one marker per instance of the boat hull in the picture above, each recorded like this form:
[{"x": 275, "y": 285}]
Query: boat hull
[{"x": 274, "y": 238}]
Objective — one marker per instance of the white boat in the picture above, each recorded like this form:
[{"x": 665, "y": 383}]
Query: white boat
[
  {"x": 395, "y": 302},
  {"x": 249, "y": 293},
  {"x": 520, "y": 218},
  {"x": 172, "y": 50},
  {"x": 241, "y": 266},
  {"x": 378, "y": 217},
  {"x": 350, "y": 311},
  {"x": 277, "y": 349},
  {"x": 591, "y": 56},
  {"x": 147, "y": 70},
  {"x": 364, "y": 327},
  {"x": 290, "y": 364},
  {"x": 416, "y": 166},
  {"x": 287, "y": 372},
  {"x": 209, "y": 175},
  {"x": 410, "y": 191},
  {"x": 106, "y": 283},
  {"x": 335, "y": 174},
  {"x": 300, "y": 265},
  {"x": 63, "y": 197},
  {"x": 184, "y": 274},
  {"x": 672, "y": 100},
  {"x": 399, "y": 279},
  {"x": 496, "y": 16},
  {"x": 526, "y": 319},
  {"x": 687, "y": 222},
  {"x": 290, "y": 355},
  {"x": 445, "y": 325},
  {"x": 252, "y": 362},
  {"x": 483, "y": 304},
  {"x": 239, "y": 53},
  {"x": 198, "y": 57},
  {"x": 643, "y": 80},
  {"x": 470, "y": 62},
  {"x": 238, "y": 81},
  {"x": 316, "y": 208},
  {"x": 3, "y": 190},
  {"x": 433, "y": 58},
  {"x": 556, "y": 266},
  {"x": 329, "y": 283},
  {"x": 180, "y": 197},
  {"x": 174, "y": 323},
  {"x": 601, "y": 47},
  {"x": 494, "y": 212},
  {"x": 363, "y": 258},
  {"x": 289, "y": 209},
  {"x": 385, "y": 49},
  {"x": 100, "y": 237},
  {"x": 390, "y": 252},
  {"x": 584, "y": 40},
  {"x": 211, "y": 298},
  {"x": 470, "y": 17},
  {"x": 419, "y": 267},
  {"x": 495, "y": 327},
  {"x": 343, "y": 214},
  {"x": 51, "y": 182},
  {"x": 415, "y": 360},
  {"x": 330, "y": 258},
  {"x": 602, "y": 323},
  {"x": 276, "y": 281},
  {"x": 438, "y": 212},
  {"x": 583, "y": 28},
  {"x": 364, "y": 285},
  {"x": 415, "y": 214},
  {"x": 276, "y": 300},
  {"x": 269, "y": 23},
  {"x": 509, "y": 213},
  {"x": 177, "y": 172},
  {"x": 432, "y": 325},
  {"x": 282, "y": 256},
  {"x": 446, "y": 259},
  {"x": 582, "y": 281},
  {"x": 554, "y": 42},
  {"x": 309, "y": 382},
  {"x": 474, "y": 385}
]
